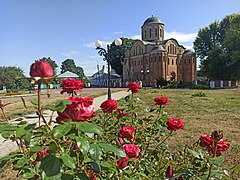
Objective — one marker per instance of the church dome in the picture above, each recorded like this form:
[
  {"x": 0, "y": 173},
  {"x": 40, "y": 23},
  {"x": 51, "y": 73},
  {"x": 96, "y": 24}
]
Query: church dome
[{"x": 152, "y": 20}]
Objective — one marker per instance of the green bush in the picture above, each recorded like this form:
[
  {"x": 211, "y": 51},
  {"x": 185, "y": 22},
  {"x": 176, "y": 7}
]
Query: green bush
[{"x": 199, "y": 94}]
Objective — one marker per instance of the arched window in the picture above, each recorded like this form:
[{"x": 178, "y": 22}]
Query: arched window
[
  {"x": 145, "y": 34},
  {"x": 160, "y": 32},
  {"x": 155, "y": 32},
  {"x": 189, "y": 61},
  {"x": 168, "y": 61},
  {"x": 168, "y": 49},
  {"x": 172, "y": 62},
  {"x": 150, "y": 32}
]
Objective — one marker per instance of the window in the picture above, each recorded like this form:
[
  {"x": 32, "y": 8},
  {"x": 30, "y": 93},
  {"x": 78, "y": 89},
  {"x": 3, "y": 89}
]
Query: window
[
  {"x": 150, "y": 32},
  {"x": 145, "y": 34},
  {"x": 168, "y": 49},
  {"x": 155, "y": 59},
  {"x": 155, "y": 32},
  {"x": 189, "y": 61},
  {"x": 160, "y": 32},
  {"x": 168, "y": 61},
  {"x": 172, "y": 62},
  {"x": 159, "y": 58}
]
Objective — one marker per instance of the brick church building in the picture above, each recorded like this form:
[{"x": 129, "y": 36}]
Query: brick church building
[{"x": 154, "y": 57}]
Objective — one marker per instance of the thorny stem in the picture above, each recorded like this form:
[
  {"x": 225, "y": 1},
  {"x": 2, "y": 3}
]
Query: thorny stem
[
  {"x": 164, "y": 139},
  {"x": 4, "y": 115},
  {"x": 214, "y": 154},
  {"x": 39, "y": 103}
]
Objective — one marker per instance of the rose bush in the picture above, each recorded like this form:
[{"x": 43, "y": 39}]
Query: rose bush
[{"x": 129, "y": 140}]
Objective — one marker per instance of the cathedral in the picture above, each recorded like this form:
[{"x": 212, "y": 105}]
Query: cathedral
[{"x": 154, "y": 57}]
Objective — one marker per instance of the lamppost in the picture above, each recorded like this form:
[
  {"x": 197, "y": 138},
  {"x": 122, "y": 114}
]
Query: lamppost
[
  {"x": 145, "y": 72},
  {"x": 107, "y": 57}
]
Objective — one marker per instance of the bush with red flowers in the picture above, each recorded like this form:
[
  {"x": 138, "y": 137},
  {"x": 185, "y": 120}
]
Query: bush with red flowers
[
  {"x": 128, "y": 140},
  {"x": 71, "y": 85}
]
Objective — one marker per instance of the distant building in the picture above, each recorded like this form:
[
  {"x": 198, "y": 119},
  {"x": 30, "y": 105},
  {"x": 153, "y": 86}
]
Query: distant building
[
  {"x": 100, "y": 78},
  {"x": 154, "y": 57}
]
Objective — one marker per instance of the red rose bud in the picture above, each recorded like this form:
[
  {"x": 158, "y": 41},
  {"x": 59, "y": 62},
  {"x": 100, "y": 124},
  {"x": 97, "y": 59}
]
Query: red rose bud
[
  {"x": 41, "y": 69},
  {"x": 75, "y": 147},
  {"x": 109, "y": 106},
  {"x": 161, "y": 100},
  {"x": 71, "y": 85},
  {"x": 81, "y": 109},
  {"x": 131, "y": 150},
  {"x": 216, "y": 135},
  {"x": 169, "y": 172},
  {"x": 127, "y": 132},
  {"x": 122, "y": 163},
  {"x": 174, "y": 124},
  {"x": 134, "y": 87}
]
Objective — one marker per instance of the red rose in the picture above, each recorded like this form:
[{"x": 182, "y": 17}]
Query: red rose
[
  {"x": 41, "y": 69},
  {"x": 122, "y": 163},
  {"x": 131, "y": 150},
  {"x": 169, "y": 172},
  {"x": 128, "y": 132},
  {"x": 109, "y": 106},
  {"x": 174, "y": 124},
  {"x": 71, "y": 85},
  {"x": 134, "y": 87},
  {"x": 161, "y": 100},
  {"x": 81, "y": 109},
  {"x": 41, "y": 154},
  {"x": 206, "y": 142}
]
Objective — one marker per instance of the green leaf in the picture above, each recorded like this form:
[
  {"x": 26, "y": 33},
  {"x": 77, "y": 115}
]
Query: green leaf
[
  {"x": 83, "y": 145},
  {"x": 111, "y": 148},
  {"x": 51, "y": 165},
  {"x": 34, "y": 102},
  {"x": 95, "y": 151},
  {"x": 21, "y": 131},
  {"x": 27, "y": 137},
  {"x": 67, "y": 177},
  {"x": 216, "y": 161},
  {"x": 6, "y": 135},
  {"x": 83, "y": 176},
  {"x": 55, "y": 177},
  {"x": 61, "y": 130},
  {"x": 29, "y": 174},
  {"x": 59, "y": 105},
  {"x": 106, "y": 164},
  {"x": 198, "y": 155},
  {"x": 87, "y": 127},
  {"x": 68, "y": 160}
]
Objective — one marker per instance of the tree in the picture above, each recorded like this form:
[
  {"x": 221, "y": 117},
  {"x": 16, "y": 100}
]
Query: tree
[
  {"x": 69, "y": 65},
  {"x": 218, "y": 48},
  {"x": 117, "y": 54},
  {"x": 52, "y": 64},
  {"x": 13, "y": 78}
]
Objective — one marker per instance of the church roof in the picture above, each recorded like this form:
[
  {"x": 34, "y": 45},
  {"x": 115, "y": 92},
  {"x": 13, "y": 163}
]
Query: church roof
[
  {"x": 152, "y": 19},
  {"x": 68, "y": 74},
  {"x": 188, "y": 51},
  {"x": 158, "y": 48}
]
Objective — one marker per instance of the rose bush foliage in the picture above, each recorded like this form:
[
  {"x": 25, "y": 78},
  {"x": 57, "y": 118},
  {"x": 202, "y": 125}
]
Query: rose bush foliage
[{"x": 124, "y": 141}]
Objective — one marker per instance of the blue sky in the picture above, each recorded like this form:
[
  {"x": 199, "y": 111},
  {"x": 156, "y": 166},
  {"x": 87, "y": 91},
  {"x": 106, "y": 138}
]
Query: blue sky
[{"x": 61, "y": 29}]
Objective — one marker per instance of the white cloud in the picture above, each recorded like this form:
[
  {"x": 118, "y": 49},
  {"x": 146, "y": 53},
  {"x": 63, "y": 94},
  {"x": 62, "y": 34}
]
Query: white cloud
[
  {"x": 181, "y": 37},
  {"x": 70, "y": 54},
  {"x": 186, "y": 39}
]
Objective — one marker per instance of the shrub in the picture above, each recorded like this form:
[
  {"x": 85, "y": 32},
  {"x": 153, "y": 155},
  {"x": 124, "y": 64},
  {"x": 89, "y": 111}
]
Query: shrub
[{"x": 199, "y": 94}]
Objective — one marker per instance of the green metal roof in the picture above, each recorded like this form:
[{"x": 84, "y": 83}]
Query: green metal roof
[{"x": 152, "y": 19}]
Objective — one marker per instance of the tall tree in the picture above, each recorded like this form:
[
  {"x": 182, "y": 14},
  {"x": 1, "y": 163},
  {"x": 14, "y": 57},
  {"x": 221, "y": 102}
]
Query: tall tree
[
  {"x": 13, "y": 77},
  {"x": 216, "y": 45},
  {"x": 52, "y": 64},
  {"x": 117, "y": 54},
  {"x": 69, "y": 65}
]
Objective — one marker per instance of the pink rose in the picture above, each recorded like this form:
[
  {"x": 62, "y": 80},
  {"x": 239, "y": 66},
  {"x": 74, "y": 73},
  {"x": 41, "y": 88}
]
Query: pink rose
[
  {"x": 128, "y": 132},
  {"x": 131, "y": 150},
  {"x": 122, "y": 163},
  {"x": 71, "y": 85},
  {"x": 174, "y": 124},
  {"x": 134, "y": 87},
  {"x": 81, "y": 109},
  {"x": 109, "y": 106},
  {"x": 41, "y": 69},
  {"x": 161, "y": 100}
]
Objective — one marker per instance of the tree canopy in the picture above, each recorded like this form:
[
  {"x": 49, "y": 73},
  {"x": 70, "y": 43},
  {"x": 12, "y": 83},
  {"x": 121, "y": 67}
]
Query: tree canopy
[
  {"x": 117, "y": 54},
  {"x": 13, "y": 78},
  {"x": 69, "y": 65},
  {"x": 218, "y": 47}
]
